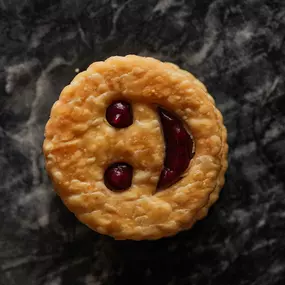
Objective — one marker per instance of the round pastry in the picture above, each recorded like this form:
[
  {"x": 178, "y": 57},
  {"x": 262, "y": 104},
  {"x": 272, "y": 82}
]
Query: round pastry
[{"x": 136, "y": 148}]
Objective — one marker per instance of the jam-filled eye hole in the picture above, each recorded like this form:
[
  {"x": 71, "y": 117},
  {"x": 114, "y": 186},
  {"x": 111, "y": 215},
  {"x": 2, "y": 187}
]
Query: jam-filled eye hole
[
  {"x": 119, "y": 114},
  {"x": 118, "y": 176}
]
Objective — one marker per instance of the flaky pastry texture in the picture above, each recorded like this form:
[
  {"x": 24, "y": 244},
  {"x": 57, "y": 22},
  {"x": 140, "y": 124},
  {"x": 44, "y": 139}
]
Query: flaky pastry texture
[{"x": 80, "y": 144}]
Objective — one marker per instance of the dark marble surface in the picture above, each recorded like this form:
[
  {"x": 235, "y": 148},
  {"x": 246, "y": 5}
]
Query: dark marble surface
[{"x": 236, "y": 48}]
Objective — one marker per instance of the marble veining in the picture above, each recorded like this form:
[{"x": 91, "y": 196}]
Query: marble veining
[{"x": 236, "y": 48}]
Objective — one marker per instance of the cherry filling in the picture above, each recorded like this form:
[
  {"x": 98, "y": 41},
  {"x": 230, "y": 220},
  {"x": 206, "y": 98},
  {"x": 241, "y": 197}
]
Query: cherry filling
[
  {"x": 179, "y": 149},
  {"x": 119, "y": 114},
  {"x": 118, "y": 176}
]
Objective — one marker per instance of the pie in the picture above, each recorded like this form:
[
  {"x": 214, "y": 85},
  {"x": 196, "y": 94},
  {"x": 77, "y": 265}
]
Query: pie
[{"x": 136, "y": 148}]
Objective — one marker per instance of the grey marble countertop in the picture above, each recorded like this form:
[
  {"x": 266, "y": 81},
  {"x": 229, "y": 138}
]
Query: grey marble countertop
[{"x": 236, "y": 48}]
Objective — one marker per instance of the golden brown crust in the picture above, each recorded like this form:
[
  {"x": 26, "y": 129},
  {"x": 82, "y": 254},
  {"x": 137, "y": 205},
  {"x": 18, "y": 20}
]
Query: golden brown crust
[{"x": 79, "y": 145}]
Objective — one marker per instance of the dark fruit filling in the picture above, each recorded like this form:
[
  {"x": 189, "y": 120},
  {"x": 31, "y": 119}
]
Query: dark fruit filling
[
  {"x": 179, "y": 149},
  {"x": 119, "y": 114},
  {"x": 118, "y": 176}
]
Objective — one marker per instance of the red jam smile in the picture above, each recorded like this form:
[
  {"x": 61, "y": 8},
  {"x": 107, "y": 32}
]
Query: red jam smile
[{"x": 178, "y": 149}]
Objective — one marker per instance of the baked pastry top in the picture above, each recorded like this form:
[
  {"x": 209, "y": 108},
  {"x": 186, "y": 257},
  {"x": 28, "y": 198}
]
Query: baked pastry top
[{"x": 80, "y": 144}]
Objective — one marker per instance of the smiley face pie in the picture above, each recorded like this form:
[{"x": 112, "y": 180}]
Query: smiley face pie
[{"x": 136, "y": 148}]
